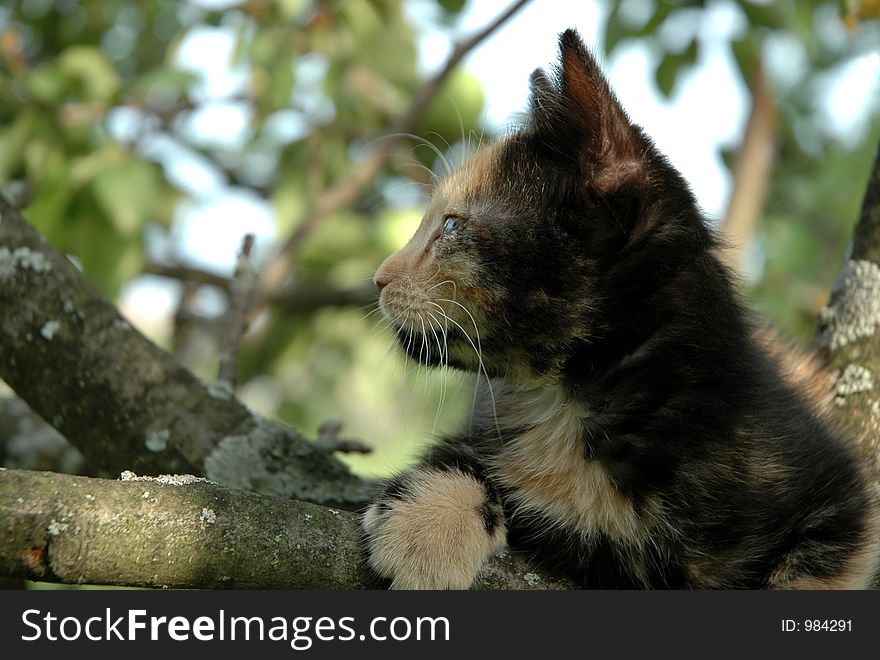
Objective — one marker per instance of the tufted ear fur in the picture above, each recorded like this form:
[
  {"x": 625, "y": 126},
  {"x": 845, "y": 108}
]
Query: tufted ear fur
[{"x": 577, "y": 117}]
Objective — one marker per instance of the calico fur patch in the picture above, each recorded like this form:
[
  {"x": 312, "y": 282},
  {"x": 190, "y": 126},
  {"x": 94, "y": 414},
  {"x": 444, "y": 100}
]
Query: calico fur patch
[{"x": 636, "y": 427}]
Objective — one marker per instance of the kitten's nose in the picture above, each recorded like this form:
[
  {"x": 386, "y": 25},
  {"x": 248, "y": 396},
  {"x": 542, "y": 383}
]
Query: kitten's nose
[{"x": 381, "y": 281}]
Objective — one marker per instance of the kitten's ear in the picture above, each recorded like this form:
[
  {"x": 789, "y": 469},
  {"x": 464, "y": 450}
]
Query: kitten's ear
[
  {"x": 543, "y": 92},
  {"x": 582, "y": 120}
]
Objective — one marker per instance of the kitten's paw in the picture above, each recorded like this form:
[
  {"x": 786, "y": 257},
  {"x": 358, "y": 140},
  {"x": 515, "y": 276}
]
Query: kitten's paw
[{"x": 433, "y": 529}]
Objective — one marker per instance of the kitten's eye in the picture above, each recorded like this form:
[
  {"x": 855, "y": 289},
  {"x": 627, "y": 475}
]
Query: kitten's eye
[{"x": 450, "y": 224}]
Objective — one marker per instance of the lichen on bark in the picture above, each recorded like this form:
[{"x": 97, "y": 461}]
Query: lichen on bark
[
  {"x": 124, "y": 402},
  {"x": 184, "y": 532},
  {"x": 848, "y": 336}
]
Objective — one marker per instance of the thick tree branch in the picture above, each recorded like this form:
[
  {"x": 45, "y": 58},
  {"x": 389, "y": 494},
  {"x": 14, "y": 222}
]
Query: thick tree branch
[
  {"x": 866, "y": 239},
  {"x": 60, "y": 528},
  {"x": 125, "y": 403},
  {"x": 848, "y": 327}
]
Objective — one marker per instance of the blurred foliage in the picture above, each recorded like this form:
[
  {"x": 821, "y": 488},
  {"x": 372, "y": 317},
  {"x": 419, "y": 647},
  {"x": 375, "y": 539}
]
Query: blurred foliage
[
  {"x": 64, "y": 66},
  {"x": 818, "y": 178},
  {"x": 97, "y": 106},
  {"x": 100, "y": 103}
]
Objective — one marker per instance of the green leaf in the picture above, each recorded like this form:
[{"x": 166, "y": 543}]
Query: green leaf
[
  {"x": 661, "y": 13},
  {"x": 108, "y": 258},
  {"x": 88, "y": 68},
  {"x": 666, "y": 73},
  {"x": 127, "y": 193},
  {"x": 12, "y": 142},
  {"x": 672, "y": 65},
  {"x": 746, "y": 51},
  {"x": 772, "y": 14},
  {"x": 280, "y": 86},
  {"x": 452, "y": 6},
  {"x": 163, "y": 85},
  {"x": 615, "y": 33},
  {"x": 291, "y": 9},
  {"x": 46, "y": 83},
  {"x": 264, "y": 47}
]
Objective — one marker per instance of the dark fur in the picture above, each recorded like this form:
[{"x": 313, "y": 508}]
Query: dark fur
[{"x": 605, "y": 280}]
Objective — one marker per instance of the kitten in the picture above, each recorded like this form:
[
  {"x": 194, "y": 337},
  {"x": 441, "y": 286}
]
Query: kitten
[{"x": 633, "y": 430}]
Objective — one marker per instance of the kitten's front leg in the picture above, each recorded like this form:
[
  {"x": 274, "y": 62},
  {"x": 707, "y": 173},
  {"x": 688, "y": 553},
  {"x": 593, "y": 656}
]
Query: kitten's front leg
[{"x": 435, "y": 525}]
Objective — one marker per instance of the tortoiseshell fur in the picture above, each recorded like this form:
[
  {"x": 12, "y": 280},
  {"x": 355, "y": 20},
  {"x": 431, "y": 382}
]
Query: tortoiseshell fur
[{"x": 636, "y": 433}]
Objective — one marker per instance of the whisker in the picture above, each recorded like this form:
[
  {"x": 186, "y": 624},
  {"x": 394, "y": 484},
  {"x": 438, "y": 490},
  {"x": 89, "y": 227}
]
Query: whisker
[
  {"x": 371, "y": 312},
  {"x": 446, "y": 164},
  {"x": 422, "y": 142},
  {"x": 426, "y": 350},
  {"x": 440, "y": 284},
  {"x": 431, "y": 279},
  {"x": 477, "y": 349},
  {"x": 444, "y": 369}
]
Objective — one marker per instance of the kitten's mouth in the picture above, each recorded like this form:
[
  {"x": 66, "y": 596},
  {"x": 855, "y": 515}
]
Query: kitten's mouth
[
  {"x": 431, "y": 347},
  {"x": 431, "y": 335}
]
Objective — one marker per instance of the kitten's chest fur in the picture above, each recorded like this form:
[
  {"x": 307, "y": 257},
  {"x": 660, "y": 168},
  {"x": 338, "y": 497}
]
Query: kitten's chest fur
[{"x": 544, "y": 467}]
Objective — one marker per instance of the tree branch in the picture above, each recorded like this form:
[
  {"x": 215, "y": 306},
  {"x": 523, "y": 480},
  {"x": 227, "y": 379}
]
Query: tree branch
[
  {"x": 866, "y": 239},
  {"x": 751, "y": 173},
  {"x": 309, "y": 296},
  {"x": 125, "y": 403},
  {"x": 848, "y": 334},
  {"x": 300, "y": 297},
  {"x": 241, "y": 292},
  {"x": 194, "y": 534},
  {"x": 185, "y": 274}
]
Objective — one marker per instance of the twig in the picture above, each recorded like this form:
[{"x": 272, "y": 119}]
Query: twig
[
  {"x": 241, "y": 293},
  {"x": 302, "y": 296},
  {"x": 329, "y": 440},
  {"x": 184, "y": 319},
  {"x": 344, "y": 193},
  {"x": 185, "y": 274},
  {"x": 306, "y": 297}
]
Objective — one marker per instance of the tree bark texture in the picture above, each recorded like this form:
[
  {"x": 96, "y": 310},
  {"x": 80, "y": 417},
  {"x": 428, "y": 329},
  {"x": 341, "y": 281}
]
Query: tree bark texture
[
  {"x": 186, "y": 532},
  {"x": 124, "y": 402},
  {"x": 848, "y": 336}
]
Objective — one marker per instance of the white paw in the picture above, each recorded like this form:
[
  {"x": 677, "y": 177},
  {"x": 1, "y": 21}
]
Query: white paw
[{"x": 434, "y": 535}]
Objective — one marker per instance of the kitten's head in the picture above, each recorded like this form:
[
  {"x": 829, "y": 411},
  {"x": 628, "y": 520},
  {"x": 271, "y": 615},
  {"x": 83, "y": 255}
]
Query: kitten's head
[{"x": 522, "y": 249}]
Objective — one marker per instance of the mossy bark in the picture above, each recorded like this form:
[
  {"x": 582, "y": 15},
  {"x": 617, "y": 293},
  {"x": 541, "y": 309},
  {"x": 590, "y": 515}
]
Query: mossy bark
[
  {"x": 146, "y": 533},
  {"x": 849, "y": 328},
  {"x": 123, "y": 401},
  {"x": 866, "y": 238}
]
